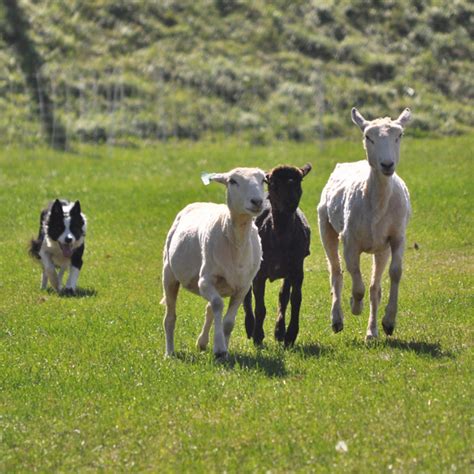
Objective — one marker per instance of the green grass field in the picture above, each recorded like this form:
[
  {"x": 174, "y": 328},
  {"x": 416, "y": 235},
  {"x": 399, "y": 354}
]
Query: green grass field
[{"x": 84, "y": 386}]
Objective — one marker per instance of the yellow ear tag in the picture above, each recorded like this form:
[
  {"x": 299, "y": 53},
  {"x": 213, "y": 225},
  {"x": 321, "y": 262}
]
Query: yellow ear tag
[{"x": 207, "y": 177}]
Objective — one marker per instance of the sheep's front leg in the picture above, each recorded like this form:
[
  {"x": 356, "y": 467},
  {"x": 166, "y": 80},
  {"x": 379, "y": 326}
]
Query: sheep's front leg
[
  {"x": 260, "y": 309},
  {"x": 208, "y": 291},
  {"x": 330, "y": 240},
  {"x": 352, "y": 258},
  {"x": 229, "y": 319},
  {"x": 249, "y": 316},
  {"x": 293, "y": 327},
  {"x": 379, "y": 263},
  {"x": 284, "y": 298},
  {"x": 203, "y": 339},
  {"x": 395, "y": 272}
]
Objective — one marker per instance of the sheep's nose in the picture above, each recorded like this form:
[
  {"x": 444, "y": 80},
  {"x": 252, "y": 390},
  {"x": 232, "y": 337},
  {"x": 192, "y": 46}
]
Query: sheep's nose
[
  {"x": 257, "y": 202},
  {"x": 387, "y": 166},
  {"x": 68, "y": 239}
]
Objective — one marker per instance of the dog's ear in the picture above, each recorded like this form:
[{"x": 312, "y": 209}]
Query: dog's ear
[
  {"x": 76, "y": 209},
  {"x": 57, "y": 209}
]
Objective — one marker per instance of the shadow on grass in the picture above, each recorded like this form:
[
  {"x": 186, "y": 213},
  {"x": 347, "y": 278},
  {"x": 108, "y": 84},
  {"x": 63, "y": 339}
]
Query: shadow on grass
[
  {"x": 432, "y": 349},
  {"x": 423, "y": 348},
  {"x": 270, "y": 365},
  {"x": 80, "y": 293},
  {"x": 312, "y": 349}
]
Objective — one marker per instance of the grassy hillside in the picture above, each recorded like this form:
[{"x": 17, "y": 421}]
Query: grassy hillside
[
  {"x": 123, "y": 69},
  {"x": 84, "y": 386}
]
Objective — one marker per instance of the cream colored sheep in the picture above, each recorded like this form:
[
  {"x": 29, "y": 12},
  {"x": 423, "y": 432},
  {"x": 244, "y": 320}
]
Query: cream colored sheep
[
  {"x": 367, "y": 205},
  {"x": 214, "y": 250}
]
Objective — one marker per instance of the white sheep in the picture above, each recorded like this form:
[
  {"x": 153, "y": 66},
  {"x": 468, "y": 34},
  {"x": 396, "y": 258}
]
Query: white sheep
[
  {"x": 367, "y": 205},
  {"x": 214, "y": 250}
]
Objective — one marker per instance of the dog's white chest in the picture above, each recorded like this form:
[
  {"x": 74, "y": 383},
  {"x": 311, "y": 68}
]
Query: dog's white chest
[{"x": 57, "y": 255}]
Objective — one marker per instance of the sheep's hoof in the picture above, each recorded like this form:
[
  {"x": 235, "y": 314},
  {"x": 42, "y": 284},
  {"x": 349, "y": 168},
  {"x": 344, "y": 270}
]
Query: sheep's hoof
[
  {"x": 258, "y": 342},
  {"x": 289, "y": 344},
  {"x": 370, "y": 338},
  {"x": 221, "y": 356},
  {"x": 200, "y": 346},
  {"x": 68, "y": 292},
  {"x": 388, "y": 328},
  {"x": 280, "y": 334},
  {"x": 338, "y": 326},
  {"x": 258, "y": 337},
  {"x": 356, "y": 306}
]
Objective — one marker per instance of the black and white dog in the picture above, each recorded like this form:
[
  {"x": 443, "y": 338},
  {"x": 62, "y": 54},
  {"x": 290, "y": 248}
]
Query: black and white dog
[{"x": 60, "y": 244}]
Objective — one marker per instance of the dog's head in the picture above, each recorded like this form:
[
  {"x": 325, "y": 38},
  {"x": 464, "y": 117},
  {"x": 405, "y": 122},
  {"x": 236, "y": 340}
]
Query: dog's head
[{"x": 66, "y": 225}]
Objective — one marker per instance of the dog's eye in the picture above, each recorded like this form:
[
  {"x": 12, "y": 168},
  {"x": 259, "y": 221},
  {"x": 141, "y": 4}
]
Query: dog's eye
[{"x": 232, "y": 181}]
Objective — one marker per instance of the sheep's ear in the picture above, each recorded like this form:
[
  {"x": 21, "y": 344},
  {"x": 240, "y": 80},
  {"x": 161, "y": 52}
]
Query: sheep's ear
[
  {"x": 306, "y": 169},
  {"x": 268, "y": 177},
  {"x": 404, "y": 117},
  {"x": 358, "y": 119},
  {"x": 219, "y": 177}
]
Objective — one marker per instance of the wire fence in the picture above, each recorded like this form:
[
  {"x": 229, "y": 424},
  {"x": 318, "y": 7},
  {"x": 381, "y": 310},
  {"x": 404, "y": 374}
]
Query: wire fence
[{"x": 112, "y": 109}]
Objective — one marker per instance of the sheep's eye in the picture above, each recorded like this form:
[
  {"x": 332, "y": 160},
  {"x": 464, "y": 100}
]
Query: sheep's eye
[
  {"x": 368, "y": 138},
  {"x": 232, "y": 181}
]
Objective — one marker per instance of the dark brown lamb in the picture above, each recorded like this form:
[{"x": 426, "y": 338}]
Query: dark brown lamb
[{"x": 285, "y": 236}]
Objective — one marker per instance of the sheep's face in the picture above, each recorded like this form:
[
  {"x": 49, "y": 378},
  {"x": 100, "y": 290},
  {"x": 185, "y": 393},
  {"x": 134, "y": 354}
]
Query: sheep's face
[
  {"x": 284, "y": 187},
  {"x": 245, "y": 191},
  {"x": 382, "y": 139}
]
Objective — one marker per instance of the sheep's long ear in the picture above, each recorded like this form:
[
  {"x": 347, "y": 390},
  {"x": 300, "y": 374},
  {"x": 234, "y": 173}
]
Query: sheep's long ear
[
  {"x": 305, "y": 169},
  {"x": 218, "y": 177},
  {"x": 358, "y": 119},
  {"x": 404, "y": 117}
]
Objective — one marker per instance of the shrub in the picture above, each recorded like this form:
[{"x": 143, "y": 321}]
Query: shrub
[
  {"x": 226, "y": 7},
  {"x": 441, "y": 19},
  {"x": 379, "y": 69},
  {"x": 332, "y": 126},
  {"x": 314, "y": 46}
]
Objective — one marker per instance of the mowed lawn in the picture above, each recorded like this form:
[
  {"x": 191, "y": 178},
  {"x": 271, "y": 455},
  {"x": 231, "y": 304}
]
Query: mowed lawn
[{"x": 85, "y": 387}]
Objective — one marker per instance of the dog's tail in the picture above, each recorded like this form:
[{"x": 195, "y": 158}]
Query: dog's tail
[{"x": 35, "y": 247}]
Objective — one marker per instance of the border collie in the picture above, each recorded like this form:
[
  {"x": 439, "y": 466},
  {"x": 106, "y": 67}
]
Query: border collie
[{"x": 60, "y": 244}]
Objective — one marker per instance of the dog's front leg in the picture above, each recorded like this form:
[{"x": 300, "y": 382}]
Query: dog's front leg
[
  {"x": 60, "y": 277},
  {"x": 44, "y": 280},
  {"x": 74, "y": 270},
  {"x": 49, "y": 271},
  {"x": 52, "y": 276},
  {"x": 72, "y": 280}
]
